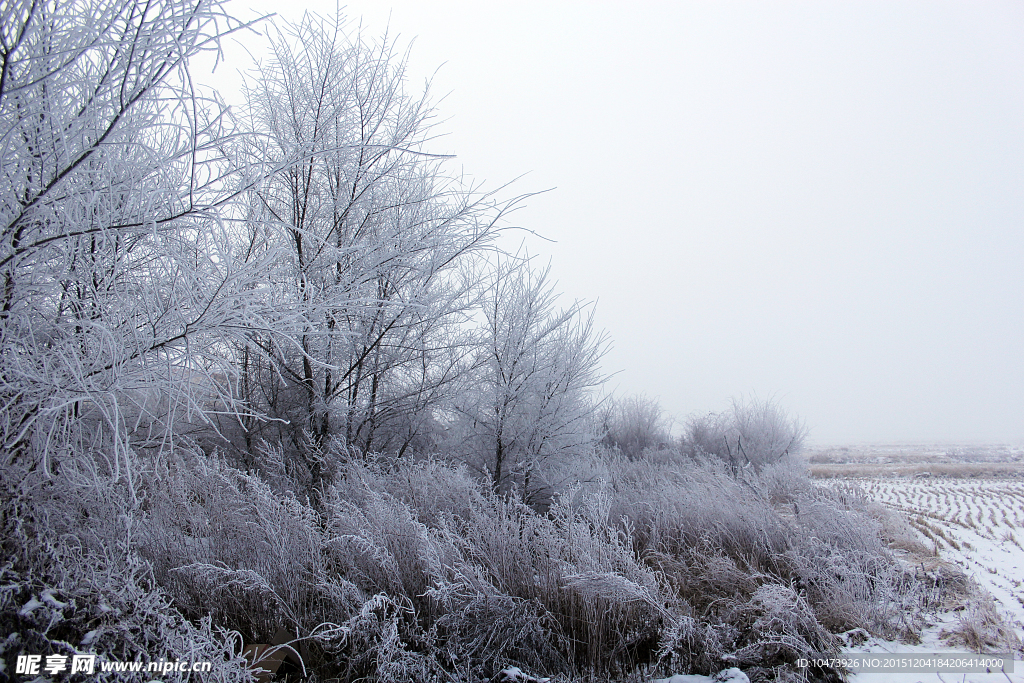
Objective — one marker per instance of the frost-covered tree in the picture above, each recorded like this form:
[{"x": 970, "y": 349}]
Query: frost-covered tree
[
  {"x": 633, "y": 425},
  {"x": 372, "y": 235},
  {"x": 117, "y": 283},
  {"x": 530, "y": 400},
  {"x": 752, "y": 433}
]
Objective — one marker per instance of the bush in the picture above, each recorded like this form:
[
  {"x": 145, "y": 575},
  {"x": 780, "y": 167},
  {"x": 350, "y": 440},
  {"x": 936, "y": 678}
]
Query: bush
[
  {"x": 981, "y": 628},
  {"x": 719, "y": 539},
  {"x": 634, "y": 425},
  {"x": 751, "y": 434}
]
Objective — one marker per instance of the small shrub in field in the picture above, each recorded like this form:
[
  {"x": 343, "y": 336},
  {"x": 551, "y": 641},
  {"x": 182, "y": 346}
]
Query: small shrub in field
[
  {"x": 751, "y": 434},
  {"x": 701, "y": 648},
  {"x": 634, "y": 425},
  {"x": 717, "y": 537},
  {"x": 434, "y": 489},
  {"x": 778, "y": 627},
  {"x": 784, "y": 481},
  {"x": 848, "y": 572},
  {"x": 765, "y": 635},
  {"x": 896, "y": 532}
]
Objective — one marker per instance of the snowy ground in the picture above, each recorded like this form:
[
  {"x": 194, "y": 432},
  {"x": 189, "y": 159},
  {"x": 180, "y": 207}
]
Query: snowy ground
[
  {"x": 930, "y": 644},
  {"x": 977, "y": 524}
]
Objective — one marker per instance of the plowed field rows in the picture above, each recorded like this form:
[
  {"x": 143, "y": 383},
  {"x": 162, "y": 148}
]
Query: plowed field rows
[{"x": 979, "y": 524}]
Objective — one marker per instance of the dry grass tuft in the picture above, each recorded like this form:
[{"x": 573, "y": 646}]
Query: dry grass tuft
[{"x": 982, "y": 628}]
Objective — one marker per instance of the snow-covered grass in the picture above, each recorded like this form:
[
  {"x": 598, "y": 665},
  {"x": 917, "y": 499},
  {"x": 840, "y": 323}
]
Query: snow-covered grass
[
  {"x": 72, "y": 580},
  {"x": 414, "y": 570},
  {"x": 408, "y": 570}
]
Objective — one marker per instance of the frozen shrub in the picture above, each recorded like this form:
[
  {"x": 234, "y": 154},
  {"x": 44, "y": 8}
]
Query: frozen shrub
[
  {"x": 481, "y": 631},
  {"x": 431, "y": 488},
  {"x": 784, "y": 481},
  {"x": 382, "y": 547},
  {"x": 603, "y": 605},
  {"x": 374, "y": 643},
  {"x": 896, "y": 532},
  {"x": 701, "y": 648},
  {"x": 719, "y": 540},
  {"x": 223, "y": 543},
  {"x": 778, "y": 626},
  {"x": 764, "y": 635},
  {"x": 848, "y": 573},
  {"x": 634, "y": 425},
  {"x": 751, "y": 434},
  {"x": 75, "y": 581},
  {"x": 677, "y": 509}
]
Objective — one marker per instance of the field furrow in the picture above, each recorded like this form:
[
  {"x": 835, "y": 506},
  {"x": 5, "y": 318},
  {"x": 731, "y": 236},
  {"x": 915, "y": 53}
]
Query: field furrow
[{"x": 974, "y": 523}]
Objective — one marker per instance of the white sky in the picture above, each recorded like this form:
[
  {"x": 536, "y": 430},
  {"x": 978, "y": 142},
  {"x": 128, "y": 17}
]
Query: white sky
[{"x": 818, "y": 201}]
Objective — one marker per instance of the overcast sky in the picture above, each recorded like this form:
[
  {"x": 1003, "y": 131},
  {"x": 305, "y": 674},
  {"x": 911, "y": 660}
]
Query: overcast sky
[{"x": 819, "y": 201}]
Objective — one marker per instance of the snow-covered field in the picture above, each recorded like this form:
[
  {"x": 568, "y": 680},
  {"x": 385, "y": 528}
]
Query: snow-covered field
[{"x": 977, "y": 524}]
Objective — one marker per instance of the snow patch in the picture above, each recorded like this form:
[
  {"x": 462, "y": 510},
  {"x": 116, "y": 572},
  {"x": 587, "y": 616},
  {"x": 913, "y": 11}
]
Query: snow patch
[
  {"x": 514, "y": 674},
  {"x": 49, "y": 599},
  {"x": 730, "y": 675},
  {"x": 29, "y": 607}
]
